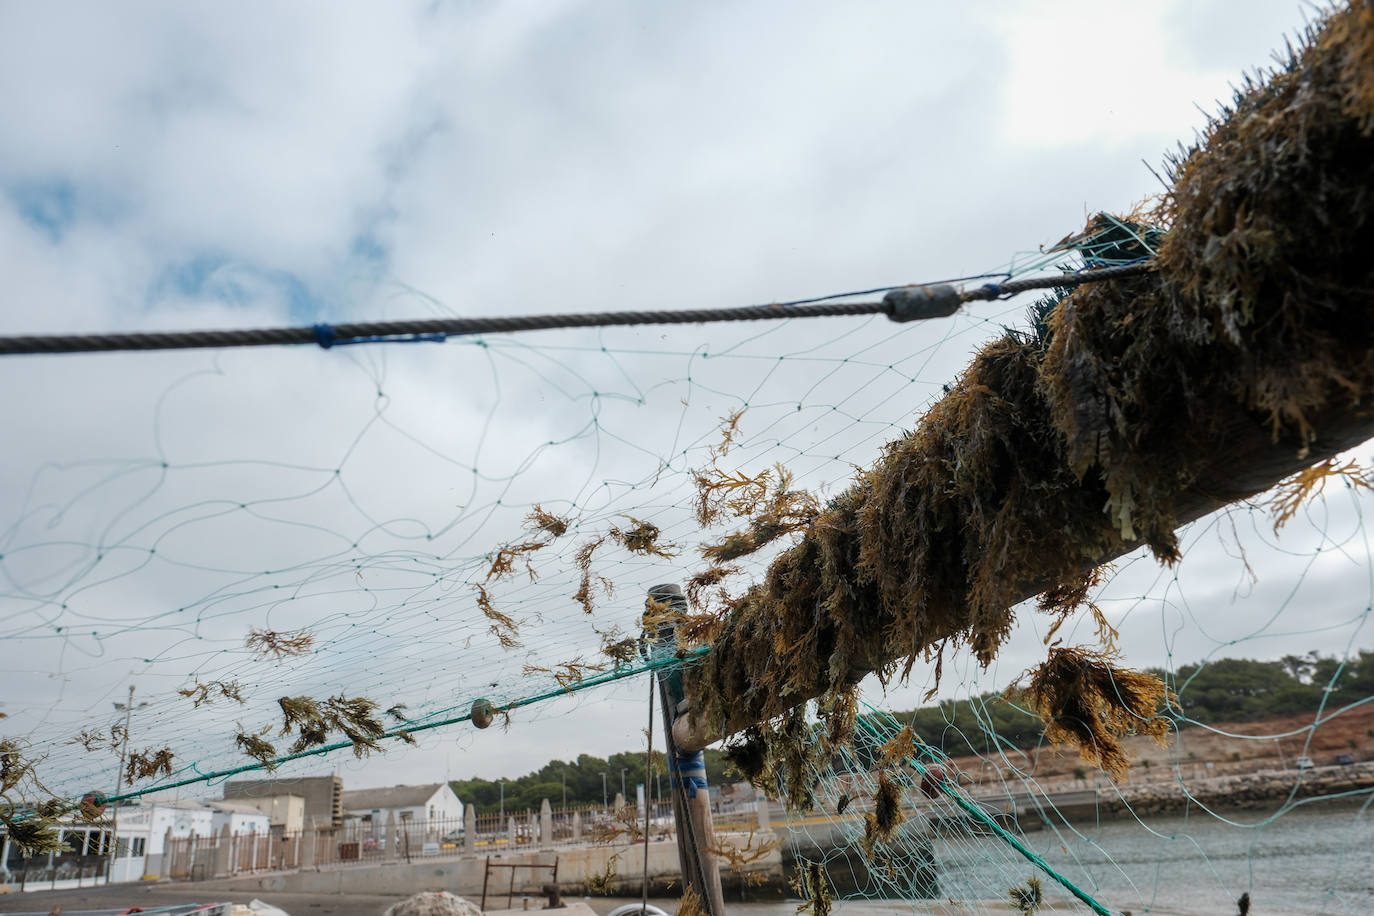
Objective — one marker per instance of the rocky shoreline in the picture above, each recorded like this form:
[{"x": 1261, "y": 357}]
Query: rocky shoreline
[{"x": 1260, "y": 788}]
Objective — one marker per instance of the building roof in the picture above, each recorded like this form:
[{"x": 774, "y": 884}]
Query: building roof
[
  {"x": 390, "y": 797},
  {"x": 234, "y": 807},
  {"x": 188, "y": 804},
  {"x": 266, "y": 788}
]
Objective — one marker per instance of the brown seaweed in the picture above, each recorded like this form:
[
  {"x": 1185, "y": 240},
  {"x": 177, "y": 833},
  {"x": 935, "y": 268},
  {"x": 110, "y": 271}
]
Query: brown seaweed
[
  {"x": 1085, "y": 700},
  {"x": 1246, "y": 354}
]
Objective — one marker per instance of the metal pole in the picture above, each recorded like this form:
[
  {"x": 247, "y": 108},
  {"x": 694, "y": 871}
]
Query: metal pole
[
  {"x": 119, "y": 786},
  {"x": 691, "y": 803},
  {"x": 687, "y": 862},
  {"x": 603, "y": 790},
  {"x": 648, "y": 804},
  {"x": 502, "y": 783}
]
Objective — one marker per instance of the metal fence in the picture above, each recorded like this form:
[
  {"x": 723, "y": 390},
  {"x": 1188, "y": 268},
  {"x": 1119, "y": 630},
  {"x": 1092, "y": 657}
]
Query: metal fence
[
  {"x": 83, "y": 868},
  {"x": 359, "y": 841}
]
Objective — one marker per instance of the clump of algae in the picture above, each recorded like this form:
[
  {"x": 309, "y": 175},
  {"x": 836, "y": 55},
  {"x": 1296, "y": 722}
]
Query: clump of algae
[{"x": 1085, "y": 700}]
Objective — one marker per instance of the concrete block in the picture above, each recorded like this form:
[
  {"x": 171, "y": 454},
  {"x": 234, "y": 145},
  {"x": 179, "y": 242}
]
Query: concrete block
[
  {"x": 310, "y": 842},
  {"x": 390, "y": 838},
  {"x": 222, "y": 862}
]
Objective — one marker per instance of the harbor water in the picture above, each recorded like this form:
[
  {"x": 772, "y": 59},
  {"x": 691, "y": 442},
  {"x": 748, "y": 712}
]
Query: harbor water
[{"x": 1311, "y": 859}]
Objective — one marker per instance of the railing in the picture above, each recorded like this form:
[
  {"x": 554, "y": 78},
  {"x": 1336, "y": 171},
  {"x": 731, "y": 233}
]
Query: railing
[
  {"x": 264, "y": 852},
  {"x": 360, "y": 842},
  {"x": 84, "y": 869},
  {"x": 735, "y": 822}
]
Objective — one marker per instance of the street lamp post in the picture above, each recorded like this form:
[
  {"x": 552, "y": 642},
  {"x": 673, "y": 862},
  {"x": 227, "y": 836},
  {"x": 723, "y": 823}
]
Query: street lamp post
[
  {"x": 603, "y": 789},
  {"x": 622, "y": 783},
  {"x": 128, "y": 710},
  {"x": 501, "y": 783},
  {"x": 565, "y": 787}
]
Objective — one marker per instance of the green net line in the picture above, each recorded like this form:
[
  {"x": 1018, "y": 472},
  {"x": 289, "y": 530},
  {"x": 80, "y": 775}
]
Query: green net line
[
  {"x": 587, "y": 683},
  {"x": 976, "y": 812}
]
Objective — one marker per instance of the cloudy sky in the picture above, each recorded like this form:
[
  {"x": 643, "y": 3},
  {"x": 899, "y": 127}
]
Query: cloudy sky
[{"x": 210, "y": 165}]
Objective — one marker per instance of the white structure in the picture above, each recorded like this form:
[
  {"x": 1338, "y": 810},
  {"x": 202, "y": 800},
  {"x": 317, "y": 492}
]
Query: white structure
[
  {"x": 141, "y": 833},
  {"x": 134, "y": 831},
  {"x": 242, "y": 818},
  {"x": 415, "y": 805},
  {"x": 183, "y": 818},
  {"x": 83, "y": 864},
  {"x": 285, "y": 813}
]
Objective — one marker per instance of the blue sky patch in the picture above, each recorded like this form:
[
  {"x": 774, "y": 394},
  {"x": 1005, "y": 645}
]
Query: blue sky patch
[
  {"x": 47, "y": 206},
  {"x": 236, "y": 283},
  {"x": 369, "y": 250}
]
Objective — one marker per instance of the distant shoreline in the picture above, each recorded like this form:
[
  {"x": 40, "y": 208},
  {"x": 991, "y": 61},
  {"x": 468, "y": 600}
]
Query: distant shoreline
[{"x": 1260, "y": 790}]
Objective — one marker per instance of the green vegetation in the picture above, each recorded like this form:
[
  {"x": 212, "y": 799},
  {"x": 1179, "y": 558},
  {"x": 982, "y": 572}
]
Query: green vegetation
[
  {"x": 1240, "y": 690},
  {"x": 583, "y": 777},
  {"x": 1223, "y": 690}
]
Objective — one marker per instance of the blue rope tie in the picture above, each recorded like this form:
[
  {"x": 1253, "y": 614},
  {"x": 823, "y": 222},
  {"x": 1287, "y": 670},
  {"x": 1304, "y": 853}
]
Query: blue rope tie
[
  {"x": 326, "y": 335},
  {"x": 440, "y": 337}
]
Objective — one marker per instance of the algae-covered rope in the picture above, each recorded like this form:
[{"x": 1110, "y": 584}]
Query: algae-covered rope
[{"x": 905, "y": 303}]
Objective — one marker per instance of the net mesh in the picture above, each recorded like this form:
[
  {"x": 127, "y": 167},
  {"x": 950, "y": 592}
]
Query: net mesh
[
  {"x": 448, "y": 548},
  {"x": 302, "y": 555},
  {"x": 384, "y": 506},
  {"x": 1263, "y": 788}
]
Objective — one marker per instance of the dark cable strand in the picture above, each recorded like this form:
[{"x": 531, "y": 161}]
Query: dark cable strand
[{"x": 439, "y": 329}]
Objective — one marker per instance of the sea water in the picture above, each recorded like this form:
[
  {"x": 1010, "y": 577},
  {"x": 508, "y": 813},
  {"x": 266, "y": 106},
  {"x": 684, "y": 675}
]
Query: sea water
[{"x": 1308, "y": 859}]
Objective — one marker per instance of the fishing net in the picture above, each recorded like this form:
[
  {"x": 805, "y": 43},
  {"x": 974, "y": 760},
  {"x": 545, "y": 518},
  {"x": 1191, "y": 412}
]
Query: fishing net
[
  {"x": 986, "y": 803},
  {"x": 447, "y": 524},
  {"x": 306, "y": 556}
]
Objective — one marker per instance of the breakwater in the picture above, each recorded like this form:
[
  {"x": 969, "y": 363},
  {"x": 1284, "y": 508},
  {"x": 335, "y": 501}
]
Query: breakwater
[{"x": 1261, "y": 788}]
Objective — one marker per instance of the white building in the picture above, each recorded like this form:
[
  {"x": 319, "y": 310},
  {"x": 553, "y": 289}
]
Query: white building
[
  {"x": 428, "y": 805},
  {"x": 141, "y": 830},
  {"x": 133, "y": 828},
  {"x": 241, "y": 817},
  {"x": 86, "y": 860},
  {"x": 285, "y": 813}
]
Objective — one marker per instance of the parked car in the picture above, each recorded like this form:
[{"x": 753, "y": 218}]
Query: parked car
[
  {"x": 1304, "y": 763},
  {"x": 1345, "y": 760}
]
